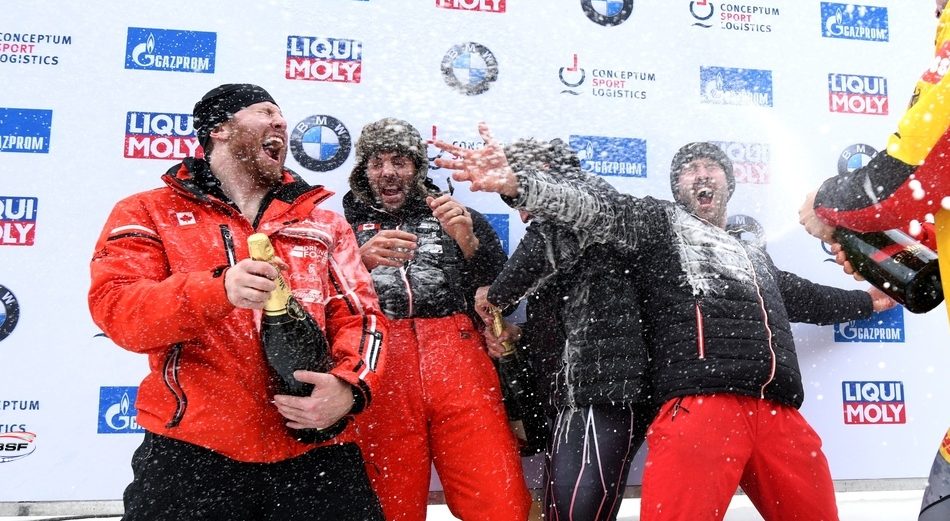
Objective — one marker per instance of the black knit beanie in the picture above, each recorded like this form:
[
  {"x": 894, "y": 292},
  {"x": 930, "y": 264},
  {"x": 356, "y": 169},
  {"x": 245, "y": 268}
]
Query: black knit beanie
[
  {"x": 692, "y": 151},
  {"x": 220, "y": 104}
]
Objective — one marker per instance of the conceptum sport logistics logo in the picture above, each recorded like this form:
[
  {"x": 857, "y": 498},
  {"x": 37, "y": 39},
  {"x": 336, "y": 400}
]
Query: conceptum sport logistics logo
[
  {"x": 9, "y": 312},
  {"x": 854, "y": 22},
  {"x": 884, "y": 326},
  {"x": 611, "y": 156},
  {"x": 607, "y": 83},
  {"x": 491, "y": 6},
  {"x": 733, "y": 17},
  {"x": 30, "y": 48},
  {"x": 727, "y": 86},
  {"x": 16, "y": 445},
  {"x": 170, "y": 50},
  {"x": 320, "y": 143},
  {"x": 117, "y": 412},
  {"x": 159, "y": 135},
  {"x": 318, "y": 58},
  {"x": 18, "y": 220},
  {"x": 750, "y": 161},
  {"x": 857, "y": 94},
  {"x": 25, "y": 130},
  {"x": 873, "y": 403},
  {"x": 469, "y": 68},
  {"x": 607, "y": 12}
]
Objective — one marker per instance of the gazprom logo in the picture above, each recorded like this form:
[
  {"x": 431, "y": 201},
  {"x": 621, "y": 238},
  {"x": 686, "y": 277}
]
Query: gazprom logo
[
  {"x": 854, "y": 22},
  {"x": 117, "y": 413},
  {"x": 873, "y": 403},
  {"x": 499, "y": 223},
  {"x": 170, "y": 50},
  {"x": 885, "y": 326},
  {"x": 729, "y": 86},
  {"x": 611, "y": 156},
  {"x": 25, "y": 130}
]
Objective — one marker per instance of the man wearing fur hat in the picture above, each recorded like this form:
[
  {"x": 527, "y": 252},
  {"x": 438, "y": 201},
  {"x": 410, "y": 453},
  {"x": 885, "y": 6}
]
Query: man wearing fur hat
[
  {"x": 440, "y": 401},
  {"x": 716, "y": 322},
  {"x": 171, "y": 279}
]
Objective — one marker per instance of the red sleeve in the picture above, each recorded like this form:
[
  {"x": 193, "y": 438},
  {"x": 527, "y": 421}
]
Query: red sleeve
[
  {"x": 356, "y": 326},
  {"x": 135, "y": 298}
]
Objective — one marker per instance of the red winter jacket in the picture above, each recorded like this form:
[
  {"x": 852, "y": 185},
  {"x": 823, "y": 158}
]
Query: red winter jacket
[{"x": 158, "y": 288}]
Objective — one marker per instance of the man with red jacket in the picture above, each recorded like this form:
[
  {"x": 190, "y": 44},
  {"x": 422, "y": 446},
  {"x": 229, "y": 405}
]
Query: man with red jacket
[{"x": 167, "y": 282}]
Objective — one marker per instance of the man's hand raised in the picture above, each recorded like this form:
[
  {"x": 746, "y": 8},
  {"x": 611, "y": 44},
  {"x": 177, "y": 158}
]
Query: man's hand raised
[{"x": 486, "y": 168}]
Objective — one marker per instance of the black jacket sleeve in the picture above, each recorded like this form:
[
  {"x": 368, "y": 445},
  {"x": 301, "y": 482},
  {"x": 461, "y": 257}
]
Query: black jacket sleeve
[
  {"x": 489, "y": 258},
  {"x": 806, "y": 301}
]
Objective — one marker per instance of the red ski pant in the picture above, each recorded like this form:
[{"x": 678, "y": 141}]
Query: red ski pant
[
  {"x": 701, "y": 448},
  {"x": 439, "y": 402}
]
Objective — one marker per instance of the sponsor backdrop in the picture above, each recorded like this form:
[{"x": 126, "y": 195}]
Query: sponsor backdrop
[{"x": 97, "y": 100}]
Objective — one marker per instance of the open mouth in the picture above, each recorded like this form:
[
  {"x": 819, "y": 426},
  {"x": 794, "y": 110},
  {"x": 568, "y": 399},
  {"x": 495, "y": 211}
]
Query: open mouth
[
  {"x": 390, "y": 191},
  {"x": 272, "y": 146},
  {"x": 704, "y": 196}
]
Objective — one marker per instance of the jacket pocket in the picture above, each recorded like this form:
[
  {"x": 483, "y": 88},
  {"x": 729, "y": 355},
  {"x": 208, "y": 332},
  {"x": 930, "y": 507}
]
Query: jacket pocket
[{"x": 170, "y": 378}]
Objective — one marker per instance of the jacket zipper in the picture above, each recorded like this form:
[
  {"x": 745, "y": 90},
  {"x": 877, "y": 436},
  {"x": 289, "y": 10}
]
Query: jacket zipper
[
  {"x": 404, "y": 272},
  {"x": 700, "y": 332},
  {"x": 228, "y": 238},
  {"x": 170, "y": 377}
]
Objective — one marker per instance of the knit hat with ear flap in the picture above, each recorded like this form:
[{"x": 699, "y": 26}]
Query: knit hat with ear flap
[
  {"x": 388, "y": 135},
  {"x": 692, "y": 151}
]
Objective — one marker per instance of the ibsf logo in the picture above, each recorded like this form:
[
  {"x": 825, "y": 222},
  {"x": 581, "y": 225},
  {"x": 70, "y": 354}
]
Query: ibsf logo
[
  {"x": 491, "y": 6},
  {"x": 873, "y": 403},
  {"x": 318, "y": 58},
  {"x": 18, "y": 220},
  {"x": 469, "y": 68},
  {"x": 25, "y": 130},
  {"x": 117, "y": 412},
  {"x": 170, "y": 50},
  {"x": 884, "y": 326},
  {"x": 727, "y": 86},
  {"x": 855, "y": 157},
  {"x": 9, "y": 312},
  {"x": 611, "y": 156},
  {"x": 499, "y": 223},
  {"x": 16, "y": 445},
  {"x": 854, "y": 22},
  {"x": 750, "y": 161},
  {"x": 320, "y": 143},
  {"x": 159, "y": 135},
  {"x": 856, "y": 94},
  {"x": 607, "y": 12}
]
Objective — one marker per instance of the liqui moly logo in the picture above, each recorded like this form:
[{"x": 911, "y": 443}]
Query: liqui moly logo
[
  {"x": 159, "y": 135},
  {"x": 318, "y": 58},
  {"x": 18, "y": 220},
  {"x": 491, "y": 6},
  {"x": 750, "y": 161},
  {"x": 873, "y": 403},
  {"x": 857, "y": 94}
]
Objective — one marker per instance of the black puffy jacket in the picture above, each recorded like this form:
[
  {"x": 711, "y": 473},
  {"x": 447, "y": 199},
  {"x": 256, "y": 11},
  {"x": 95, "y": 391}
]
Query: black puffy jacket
[
  {"x": 439, "y": 281},
  {"x": 716, "y": 310},
  {"x": 583, "y": 326}
]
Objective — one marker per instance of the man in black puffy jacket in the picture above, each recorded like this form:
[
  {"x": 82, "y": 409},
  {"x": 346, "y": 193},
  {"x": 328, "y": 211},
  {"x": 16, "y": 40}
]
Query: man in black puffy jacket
[
  {"x": 717, "y": 323},
  {"x": 583, "y": 333}
]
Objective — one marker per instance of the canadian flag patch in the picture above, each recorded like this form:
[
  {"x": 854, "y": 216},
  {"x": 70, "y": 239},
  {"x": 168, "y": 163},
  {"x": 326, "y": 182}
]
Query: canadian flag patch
[
  {"x": 367, "y": 226},
  {"x": 185, "y": 218}
]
